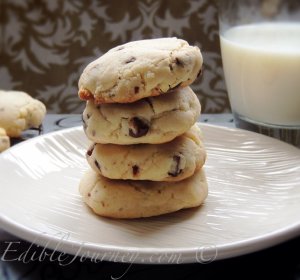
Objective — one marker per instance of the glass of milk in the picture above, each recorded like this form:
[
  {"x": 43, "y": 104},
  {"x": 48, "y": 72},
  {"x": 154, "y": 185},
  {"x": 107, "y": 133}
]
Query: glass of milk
[{"x": 260, "y": 46}]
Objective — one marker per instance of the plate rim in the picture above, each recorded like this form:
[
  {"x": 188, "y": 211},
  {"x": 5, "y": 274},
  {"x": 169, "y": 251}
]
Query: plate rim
[{"x": 187, "y": 254}]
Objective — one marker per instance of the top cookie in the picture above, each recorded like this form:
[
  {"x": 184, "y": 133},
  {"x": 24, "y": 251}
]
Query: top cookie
[
  {"x": 140, "y": 69},
  {"x": 19, "y": 111}
]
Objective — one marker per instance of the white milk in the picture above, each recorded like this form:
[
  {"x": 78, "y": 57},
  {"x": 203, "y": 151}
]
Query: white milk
[{"x": 262, "y": 71}]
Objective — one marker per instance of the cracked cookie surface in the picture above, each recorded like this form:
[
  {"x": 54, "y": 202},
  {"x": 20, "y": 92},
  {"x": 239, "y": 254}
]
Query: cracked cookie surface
[
  {"x": 172, "y": 161},
  {"x": 150, "y": 120},
  {"x": 19, "y": 111},
  {"x": 135, "y": 199},
  {"x": 140, "y": 69}
]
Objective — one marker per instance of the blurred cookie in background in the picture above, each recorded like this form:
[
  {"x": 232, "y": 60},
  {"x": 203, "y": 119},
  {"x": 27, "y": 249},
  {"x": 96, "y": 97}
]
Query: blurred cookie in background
[
  {"x": 19, "y": 112},
  {"x": 4, "y": 140}
]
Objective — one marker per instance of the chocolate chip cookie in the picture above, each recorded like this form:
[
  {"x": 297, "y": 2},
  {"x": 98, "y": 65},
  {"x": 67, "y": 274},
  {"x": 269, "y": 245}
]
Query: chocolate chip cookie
[
  {"x": 140, "y": 69},
  {"x": 172, "y": 161},
  {"x": 4, "y": 140},
  {"x": 150, "y": 120},
  {"x": 135, "y": 199},
  {"x": 19, "y": 111}
]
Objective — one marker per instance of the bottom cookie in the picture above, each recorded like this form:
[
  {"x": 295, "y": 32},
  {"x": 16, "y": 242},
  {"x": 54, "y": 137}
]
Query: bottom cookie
[{"x": 128, "y": 199}]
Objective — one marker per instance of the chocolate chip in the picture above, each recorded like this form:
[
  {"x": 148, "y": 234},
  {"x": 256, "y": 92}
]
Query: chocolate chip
[
  {"x": 97, "y": 164},
  {"x": 131, "y": 59},
  {"x": 136, "y": 90},
  {"x": 171, "y": 67},
  {"x": 93, "y": 132},
  {"x": 89, "y": 194},
  {"x": 120, "y": 48},
  {"x": 90, "y": 151},
  {"x": 175, "y": 167},
  {"x": 179, "y": 62},
  {"x": 138, "y": 127},
  {"x": 88, "y": 116},
  {"x": 135, "y": 170}
]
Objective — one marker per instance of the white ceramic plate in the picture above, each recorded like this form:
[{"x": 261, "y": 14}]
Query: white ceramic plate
[{"x": 253, "y": 202}]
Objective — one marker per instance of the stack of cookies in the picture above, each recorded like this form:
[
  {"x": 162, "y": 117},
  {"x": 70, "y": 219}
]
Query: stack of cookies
[{"x": 146, "y": 154}]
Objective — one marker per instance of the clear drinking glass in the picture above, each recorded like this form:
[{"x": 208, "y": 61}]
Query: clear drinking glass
[{"x": 260, "y": 46}]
